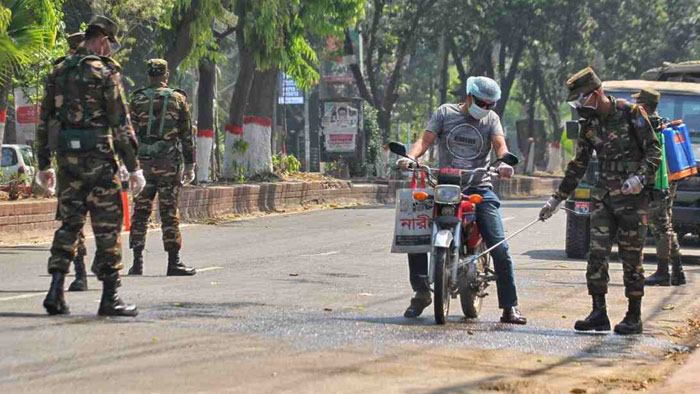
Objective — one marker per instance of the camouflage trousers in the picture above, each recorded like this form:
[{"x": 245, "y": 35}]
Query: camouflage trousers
[
  {"x": 167, "y": 188},
  {"x": 667, "y": 247},
  {"x": 88, "y": 185},
  {"x": 624, "y": 217},
  {"x": 82, "y": 249}
]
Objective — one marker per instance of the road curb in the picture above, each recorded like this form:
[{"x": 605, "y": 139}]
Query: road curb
[{"x": 32, "y": 218}]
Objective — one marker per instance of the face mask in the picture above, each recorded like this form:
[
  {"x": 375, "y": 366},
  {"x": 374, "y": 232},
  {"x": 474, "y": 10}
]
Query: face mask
[
  {"x": 587, "y": 112},
  {"x": 477, "y": 112}
]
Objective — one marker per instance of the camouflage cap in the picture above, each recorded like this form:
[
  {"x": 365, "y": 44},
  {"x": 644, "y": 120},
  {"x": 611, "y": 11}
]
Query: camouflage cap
[
  {"x": 583, "y": 82},
  {"x": 157, "y": 67},
  {"x": 648, "y": 96},
  {"x": 106, "y": 26},
  {"x": 75, "y": 39}
]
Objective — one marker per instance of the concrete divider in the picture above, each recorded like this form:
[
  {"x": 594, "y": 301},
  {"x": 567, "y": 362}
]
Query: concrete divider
[{"x": 36, "y": 217}]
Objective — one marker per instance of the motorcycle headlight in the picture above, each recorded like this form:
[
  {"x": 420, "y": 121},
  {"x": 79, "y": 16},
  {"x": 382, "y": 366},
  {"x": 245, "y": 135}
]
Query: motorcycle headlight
[
  {"x": 448, "y": 194},
  {"x": 448, "y": 210}
]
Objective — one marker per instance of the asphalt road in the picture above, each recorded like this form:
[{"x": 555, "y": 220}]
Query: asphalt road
[{"x": 313, "y": 302}]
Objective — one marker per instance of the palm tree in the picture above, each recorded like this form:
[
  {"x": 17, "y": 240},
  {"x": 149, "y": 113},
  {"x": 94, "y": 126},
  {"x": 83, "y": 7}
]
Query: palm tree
[{"x": 27, "y": 29}]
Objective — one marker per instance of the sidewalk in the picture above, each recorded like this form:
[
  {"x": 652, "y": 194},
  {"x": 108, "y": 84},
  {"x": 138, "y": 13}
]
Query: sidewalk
[{"x": 686, "y": 380}]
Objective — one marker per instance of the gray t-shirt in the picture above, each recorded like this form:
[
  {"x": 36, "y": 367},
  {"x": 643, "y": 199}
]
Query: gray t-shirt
[{"x": 464, "y": 142}]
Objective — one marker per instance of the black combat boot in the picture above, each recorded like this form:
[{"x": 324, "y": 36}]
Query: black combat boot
[
  {"x": 677, "y": 274},
  {"x": 80, "y": 282},
  {"x": 421, "y": 301},
  {"x": 661, "y": 276},
  {"x": 111, "y": 304},
  {"x": 597, "y": 320},
  {"x": 55, "y": 302},
  {"x": 137, "y": 267},
  {"x": 632, "y": 323},
  {"x": 175, "y": 266}
]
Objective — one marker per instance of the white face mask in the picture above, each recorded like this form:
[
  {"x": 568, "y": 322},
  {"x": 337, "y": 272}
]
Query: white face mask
[{"x": 477, "y": 112}]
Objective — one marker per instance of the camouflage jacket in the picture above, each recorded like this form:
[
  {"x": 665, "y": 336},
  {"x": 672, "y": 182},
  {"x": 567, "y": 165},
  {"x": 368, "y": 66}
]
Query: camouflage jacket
[
  {"x": 84, "y": 91},
  {"x": 625, "y": 144},
  {"x": 171, "y": 132}
]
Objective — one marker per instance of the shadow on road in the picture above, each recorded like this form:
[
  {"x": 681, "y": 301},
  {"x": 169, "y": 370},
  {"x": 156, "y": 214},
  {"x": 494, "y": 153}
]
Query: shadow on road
[
  {"x": 610, "y": 345},
  {"x": 23, "y": 314},
  {"x": 550, "y": 255},
  {"x": 30, "y": 248}
]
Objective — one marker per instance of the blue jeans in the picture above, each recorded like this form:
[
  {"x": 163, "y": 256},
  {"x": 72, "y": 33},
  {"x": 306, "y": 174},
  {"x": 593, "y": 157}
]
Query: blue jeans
[{"x": 490, "y": 224}]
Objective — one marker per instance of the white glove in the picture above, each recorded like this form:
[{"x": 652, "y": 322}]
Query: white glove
[
  {"x": 505, "y": 171},
  {"x": 549, "y": 208},
  {"x": 47, "y": 180},
  {"x": 187, "y": 176},
  {"x": 123, "y": 173},
  {"x": 633, "y": 185},
  {"x": 136, "y": 182},
  {"x": 404, "y": 163}
]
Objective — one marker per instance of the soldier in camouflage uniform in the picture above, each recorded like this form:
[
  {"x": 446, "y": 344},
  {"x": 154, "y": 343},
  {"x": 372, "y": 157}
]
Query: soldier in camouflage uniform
[
  {"x": 80, "y": 283},
  {"x": 628, "y": 154},
  {"x": 163, "y": 127},
  {"x": 660, "y": 224},
  {"x": 84, "y": 119}
]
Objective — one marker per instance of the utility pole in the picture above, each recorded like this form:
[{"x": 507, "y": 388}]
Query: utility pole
[{"x": 307, "y": 132}]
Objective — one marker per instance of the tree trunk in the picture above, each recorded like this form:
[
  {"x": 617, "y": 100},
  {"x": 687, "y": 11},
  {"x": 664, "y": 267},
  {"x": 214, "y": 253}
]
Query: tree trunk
[
  {"x": 384, "y": 123},
  {"x": 256, "y": 158},
  {"x": 508, "y": 79},
  {"x": 206, "y": 99},
  {"x": 444, "y": 56},
  {"x": 239, "y": 101},
  {"x": 181, "y": 44}
]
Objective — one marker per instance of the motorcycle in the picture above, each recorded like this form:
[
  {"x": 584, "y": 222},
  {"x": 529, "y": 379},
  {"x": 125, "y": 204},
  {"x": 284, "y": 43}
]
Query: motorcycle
[{"x": 460, "y": 263}]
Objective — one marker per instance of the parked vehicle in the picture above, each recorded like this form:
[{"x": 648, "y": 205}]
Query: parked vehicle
[
  {"x": 458, "y": 264},
  {"x": 679, "y": 100},
  {"x": 17, "y": 161}
]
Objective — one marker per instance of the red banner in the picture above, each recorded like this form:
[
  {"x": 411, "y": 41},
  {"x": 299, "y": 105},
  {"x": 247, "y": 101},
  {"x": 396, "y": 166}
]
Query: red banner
[{"x": 28, "y": 114}]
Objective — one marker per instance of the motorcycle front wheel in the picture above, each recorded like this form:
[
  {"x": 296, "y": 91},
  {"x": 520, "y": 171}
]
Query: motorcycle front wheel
[{"x": 442, "y": 288}]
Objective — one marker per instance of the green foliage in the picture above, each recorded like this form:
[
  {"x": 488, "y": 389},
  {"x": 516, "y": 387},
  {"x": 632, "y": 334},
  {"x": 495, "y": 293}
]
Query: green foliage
[
  {"x": 27, "y": 29},
  {"x": 210, "y": 15},
  {"x": 240, "y": 146},
  {"x": 278, "y": 32},
  {"x": 374, "y": 138},
  {"x": 239, "y": 172},
  {"x": 285, "y": 164},
  {"x": 337, "y": 167}
]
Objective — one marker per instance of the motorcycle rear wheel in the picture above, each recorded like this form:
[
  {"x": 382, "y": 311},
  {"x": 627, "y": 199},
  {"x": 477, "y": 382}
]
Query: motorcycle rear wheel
[
  {"x": 441, "y": 298},
  {"x": 471, "y": 296}
]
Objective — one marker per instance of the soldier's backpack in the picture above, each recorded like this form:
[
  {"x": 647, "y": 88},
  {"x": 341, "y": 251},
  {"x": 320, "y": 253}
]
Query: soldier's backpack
[
  {"x": 150, "y": 144},
  {"x": 76, "y": 139}
]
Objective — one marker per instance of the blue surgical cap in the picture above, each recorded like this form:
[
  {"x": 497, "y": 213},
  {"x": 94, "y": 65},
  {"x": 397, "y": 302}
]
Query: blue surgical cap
[{"x": 483, "y": 88}]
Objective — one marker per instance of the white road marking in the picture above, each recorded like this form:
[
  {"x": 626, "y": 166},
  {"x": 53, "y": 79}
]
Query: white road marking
[
  {"x": 320, "y": 254},
  {"x": 508, "y": 218},
  {"x": 19, "y": 297},
  {"x": 209, "y": 269}
]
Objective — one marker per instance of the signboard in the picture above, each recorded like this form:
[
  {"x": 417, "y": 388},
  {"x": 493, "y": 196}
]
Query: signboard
[
  {"x": 340, "y": 126},
  {"x": 414, "y": 223},
  {"x": 27, "y": 117},
  {"x": 336, "y": 76},
  {"x": 289, "y": 92}
]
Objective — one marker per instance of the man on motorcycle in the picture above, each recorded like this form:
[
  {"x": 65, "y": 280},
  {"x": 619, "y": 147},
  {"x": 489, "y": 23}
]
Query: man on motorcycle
[{"x": 466, "y": 133}]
